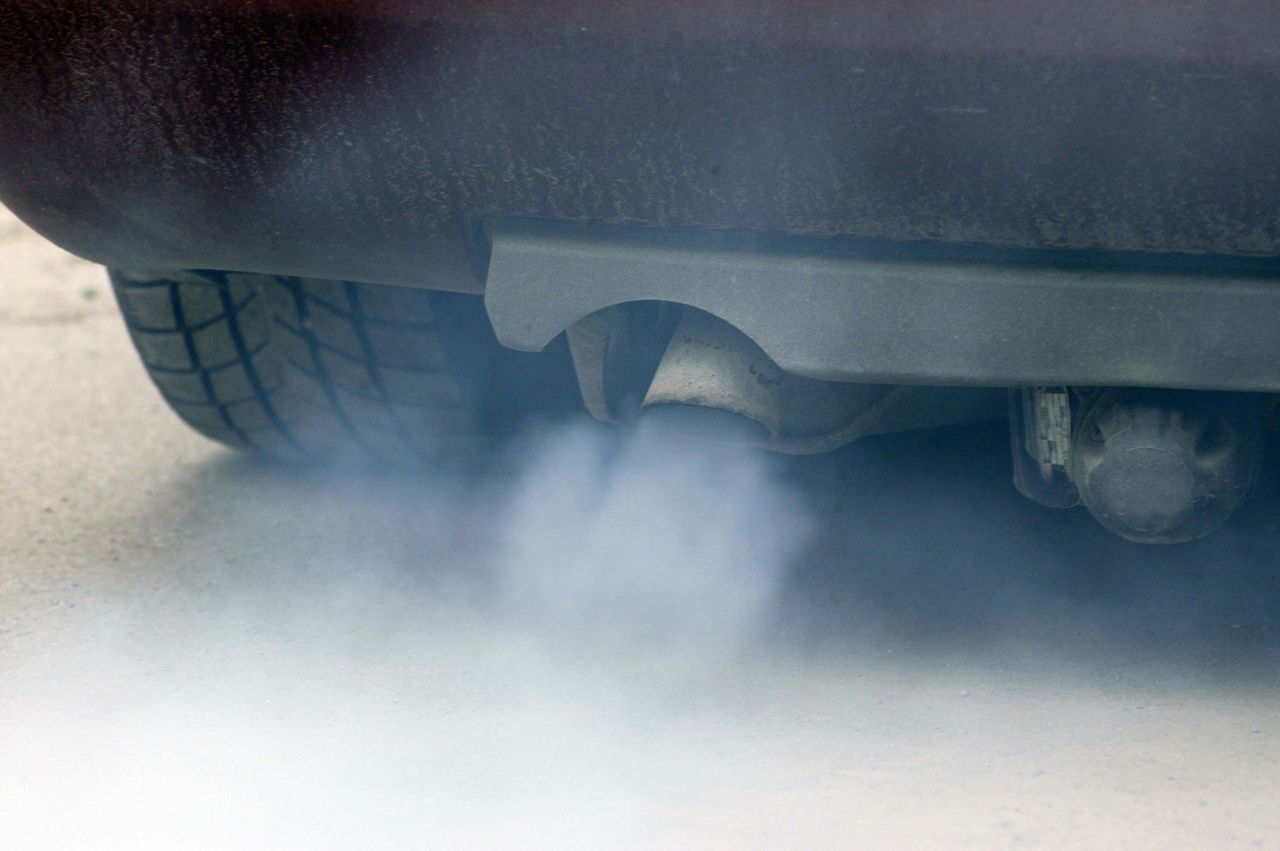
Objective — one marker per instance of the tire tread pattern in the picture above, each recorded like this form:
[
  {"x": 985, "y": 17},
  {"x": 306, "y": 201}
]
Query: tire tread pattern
[{"x": 299, "y": 368}]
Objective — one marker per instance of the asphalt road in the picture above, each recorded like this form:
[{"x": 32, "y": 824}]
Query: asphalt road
[{"x": 593, "y": 640}]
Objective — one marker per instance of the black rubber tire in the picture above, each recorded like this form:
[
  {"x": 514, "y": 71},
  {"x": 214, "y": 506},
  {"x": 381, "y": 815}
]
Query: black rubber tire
[{"x": 299, "y": 368}]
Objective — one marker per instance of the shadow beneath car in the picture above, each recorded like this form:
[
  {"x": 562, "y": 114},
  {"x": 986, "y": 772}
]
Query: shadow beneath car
[{"x": 927, "y": 548}]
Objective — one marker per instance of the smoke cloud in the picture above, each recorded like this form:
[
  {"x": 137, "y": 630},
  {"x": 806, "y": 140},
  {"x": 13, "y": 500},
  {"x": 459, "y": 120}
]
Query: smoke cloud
[
  {"x": 604, "y": 638},
  {"x": 490, "y": 673}
]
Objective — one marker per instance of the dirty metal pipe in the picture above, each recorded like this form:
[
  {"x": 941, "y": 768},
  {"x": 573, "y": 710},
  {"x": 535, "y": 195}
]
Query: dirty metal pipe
[{"x": 715, "y": 383}]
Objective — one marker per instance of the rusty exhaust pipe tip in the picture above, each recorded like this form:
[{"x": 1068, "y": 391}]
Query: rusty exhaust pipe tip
[{"x": 713, "y": 383}]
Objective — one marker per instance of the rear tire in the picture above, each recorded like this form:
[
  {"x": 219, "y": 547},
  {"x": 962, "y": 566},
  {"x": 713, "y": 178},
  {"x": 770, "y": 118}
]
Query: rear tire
[{"x": 300, "y": 368}]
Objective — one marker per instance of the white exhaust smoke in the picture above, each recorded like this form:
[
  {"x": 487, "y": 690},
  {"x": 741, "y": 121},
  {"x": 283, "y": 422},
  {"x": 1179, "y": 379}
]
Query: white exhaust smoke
[{"x": 514, "y": 689}]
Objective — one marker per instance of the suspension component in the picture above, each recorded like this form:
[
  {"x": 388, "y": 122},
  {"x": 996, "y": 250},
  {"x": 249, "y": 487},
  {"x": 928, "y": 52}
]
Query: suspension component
[
  {"x": 1152, "y": 466},
  {"x": 1163, "y": 466}
]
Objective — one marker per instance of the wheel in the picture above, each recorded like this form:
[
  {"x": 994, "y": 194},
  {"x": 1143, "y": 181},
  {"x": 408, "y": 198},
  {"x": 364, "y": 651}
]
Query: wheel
[{"x": 300, "y": 368}]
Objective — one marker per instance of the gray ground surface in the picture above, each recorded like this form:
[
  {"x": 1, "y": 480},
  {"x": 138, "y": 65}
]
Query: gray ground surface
[{"x": 593, "y": 641}]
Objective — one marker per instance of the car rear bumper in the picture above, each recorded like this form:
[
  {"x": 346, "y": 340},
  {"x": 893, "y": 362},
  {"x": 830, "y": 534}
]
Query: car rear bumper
[{"x": 370, "y": 141}]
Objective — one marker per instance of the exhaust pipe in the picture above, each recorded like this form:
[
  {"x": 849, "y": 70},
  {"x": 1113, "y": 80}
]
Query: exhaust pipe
[{"x": 715, "y": 383}]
